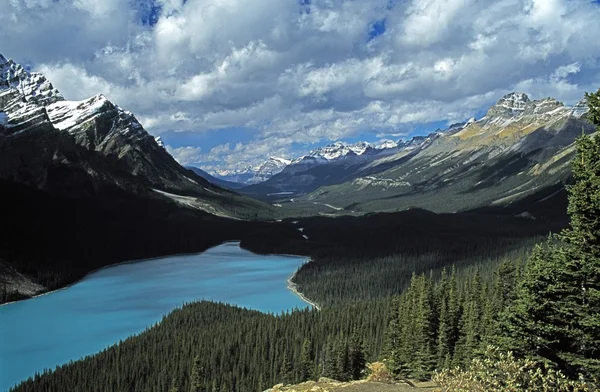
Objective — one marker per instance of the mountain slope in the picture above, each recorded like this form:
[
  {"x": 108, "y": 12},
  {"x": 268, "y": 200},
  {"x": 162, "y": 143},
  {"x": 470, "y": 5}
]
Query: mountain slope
[{"x": 518, "y": 148}]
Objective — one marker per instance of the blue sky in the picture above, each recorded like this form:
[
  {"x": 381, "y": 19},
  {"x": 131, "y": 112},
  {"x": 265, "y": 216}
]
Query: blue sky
[{"x": 228, "y": 83}]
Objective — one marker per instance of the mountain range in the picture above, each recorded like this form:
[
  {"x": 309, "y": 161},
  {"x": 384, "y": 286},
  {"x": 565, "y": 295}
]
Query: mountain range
[
  {"x": 253, "y": 174},
  {"x": 519, "y": 147}
]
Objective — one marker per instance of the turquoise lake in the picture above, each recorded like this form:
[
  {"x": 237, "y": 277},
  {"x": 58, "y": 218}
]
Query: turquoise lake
[{"x": 116, "y": 302}]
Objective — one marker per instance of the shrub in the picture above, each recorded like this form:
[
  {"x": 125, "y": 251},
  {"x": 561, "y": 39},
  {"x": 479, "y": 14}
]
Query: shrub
[{"x": 502, "y": 372}]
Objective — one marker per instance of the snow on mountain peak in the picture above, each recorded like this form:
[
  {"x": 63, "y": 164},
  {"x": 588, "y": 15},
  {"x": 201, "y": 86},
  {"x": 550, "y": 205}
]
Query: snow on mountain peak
[
  {"x": 68, "y": 114},
  {"x": 385, "y": 144},
  {"x": 514, "y": 100},
  {"x": 32, "y": 86},
  {"x": 281, "y": 161},
  {"x": 338, "y": 150},
  {"x": 160, "y": 142}
]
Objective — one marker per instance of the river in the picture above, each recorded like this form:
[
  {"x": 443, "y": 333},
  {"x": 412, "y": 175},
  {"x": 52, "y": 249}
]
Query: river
[{"x": 119, "y": 301}]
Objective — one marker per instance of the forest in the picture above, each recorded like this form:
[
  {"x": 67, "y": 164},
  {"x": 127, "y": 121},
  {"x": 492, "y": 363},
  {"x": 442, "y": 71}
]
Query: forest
[{"x": 474, "y": 280}]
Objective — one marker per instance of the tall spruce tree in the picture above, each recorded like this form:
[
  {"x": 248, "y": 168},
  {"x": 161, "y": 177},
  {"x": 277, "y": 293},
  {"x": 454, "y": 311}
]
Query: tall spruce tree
[
  {"x": 197, "y": 376},
  {"x": 307, "y": 367},
  {"x": 287, "y": 368},
  {"x": 356, "y": 357},
  {"x": 330, "y": 365}
]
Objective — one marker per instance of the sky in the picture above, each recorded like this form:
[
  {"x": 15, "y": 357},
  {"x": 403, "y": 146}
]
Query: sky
[{"x": 228, "y": 83}]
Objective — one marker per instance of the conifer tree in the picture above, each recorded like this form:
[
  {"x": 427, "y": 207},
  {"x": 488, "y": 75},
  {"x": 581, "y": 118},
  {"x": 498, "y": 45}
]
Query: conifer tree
[
  {"x": 424, "y": 359},
  {"x": 174, "y": 386},
  {"x": 287, "y": 368},
  {"x": 197, "y": 376},
  {"x": 330, "y": 366},
  {"x": 343, "y": 361},
  {"x": 356, "y": 357},
  {"x": 306, "y": 361}
]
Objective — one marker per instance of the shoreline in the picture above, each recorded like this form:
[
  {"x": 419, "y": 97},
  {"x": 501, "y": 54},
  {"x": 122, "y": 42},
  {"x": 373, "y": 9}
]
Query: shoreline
[{"x": 293, "y": 287}]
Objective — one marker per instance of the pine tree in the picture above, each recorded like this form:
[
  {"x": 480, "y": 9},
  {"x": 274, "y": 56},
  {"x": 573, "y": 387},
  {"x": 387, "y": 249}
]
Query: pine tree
[
  {"x": 356, "y": 357},
  {"x": 174, "y": 386},
  {"x": 197, "y": 376},
  {"x": 306, "y": 361},
  {"x": 287, "y": 368},
  {"x": 342, "y": 361},
  {"x": 424, "y": 360},
  {"x": 330, "y": 366},
  {"x": 539, "y": 321}
]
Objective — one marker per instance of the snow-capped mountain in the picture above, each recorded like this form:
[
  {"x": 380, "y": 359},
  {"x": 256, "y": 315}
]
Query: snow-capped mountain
[
  {"x": 254, "y": 174},
  {"x": 385, "y": 145},
  {"x": 88, "y": 148}
]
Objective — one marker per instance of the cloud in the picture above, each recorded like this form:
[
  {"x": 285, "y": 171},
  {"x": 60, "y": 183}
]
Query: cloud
[
  {"x": 298, "y": 74},
  {"x": 187, "y": 155}
]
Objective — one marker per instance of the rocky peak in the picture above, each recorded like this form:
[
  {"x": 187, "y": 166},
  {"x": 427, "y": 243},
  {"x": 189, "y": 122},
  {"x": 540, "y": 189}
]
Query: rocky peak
[
  {"x": 509, "y": 105},
  {"x": 542, "y": 106},
  {"x": 580, "y": 109},
  {"x": 32, "y": 86}
]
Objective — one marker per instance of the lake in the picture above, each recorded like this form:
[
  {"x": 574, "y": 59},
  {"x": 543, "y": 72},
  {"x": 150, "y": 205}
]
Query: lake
[{"x": 116, "y": 302}]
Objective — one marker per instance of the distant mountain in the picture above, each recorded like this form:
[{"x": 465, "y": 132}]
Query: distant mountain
[
  {"x": 518, "y": 148},
  {"x": 253, "y": 174},
  {"x": 214, "y": 180},
  {"x": 334, "y": 164}
]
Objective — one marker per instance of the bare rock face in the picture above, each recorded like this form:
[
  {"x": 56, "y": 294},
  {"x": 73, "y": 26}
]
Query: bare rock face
[{"x": 509, "y": 105}]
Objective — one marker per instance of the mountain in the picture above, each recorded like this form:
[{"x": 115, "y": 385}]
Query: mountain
[
  {"x": 520, "y": 147},
  {"x": 254, "y": 174},
  {"x": 83, "y": 148},
  {"x": 84, "y": 185},
  {"x": 335, "y": 164}
]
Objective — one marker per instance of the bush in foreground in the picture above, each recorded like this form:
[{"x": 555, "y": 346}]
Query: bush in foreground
[{"x": 502, "y": 372}]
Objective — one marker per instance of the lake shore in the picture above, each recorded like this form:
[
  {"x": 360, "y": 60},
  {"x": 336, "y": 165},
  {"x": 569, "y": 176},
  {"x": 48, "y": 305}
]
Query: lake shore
[
  {"x": 42, "y": 293},
  {"x": 293, "y": 287}
]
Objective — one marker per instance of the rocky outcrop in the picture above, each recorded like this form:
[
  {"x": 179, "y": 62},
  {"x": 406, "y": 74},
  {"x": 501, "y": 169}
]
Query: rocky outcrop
[{"x": 329, "y": 385}]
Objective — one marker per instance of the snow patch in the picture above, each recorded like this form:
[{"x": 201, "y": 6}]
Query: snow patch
[
  {"x": 160, "y": 142},
  {"x": 68, "y": 114}
]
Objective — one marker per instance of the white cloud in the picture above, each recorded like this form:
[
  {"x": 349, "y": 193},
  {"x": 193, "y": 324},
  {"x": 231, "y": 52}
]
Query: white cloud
[
  {"x": 186, "y": 155},
  {"x": 305, "y": 74}
]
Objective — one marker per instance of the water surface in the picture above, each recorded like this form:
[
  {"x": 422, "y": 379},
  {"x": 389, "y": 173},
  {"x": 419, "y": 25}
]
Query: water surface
[{"x": 117, "y": 302}]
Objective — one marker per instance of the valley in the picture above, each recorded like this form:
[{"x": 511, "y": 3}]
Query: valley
[{"x": 423, "y": 252}]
